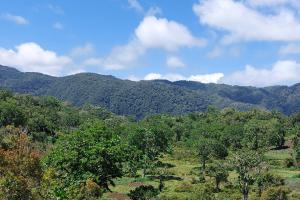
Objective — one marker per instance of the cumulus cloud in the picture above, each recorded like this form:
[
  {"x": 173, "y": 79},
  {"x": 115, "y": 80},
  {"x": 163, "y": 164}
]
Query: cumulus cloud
[
  {"x": 273, "y": 2},
  {"x": 174, "y": 62},
  {"x": 290, "y": 49},
  {"x": 33, "y": 58},
  {"x": 120, "y": 57},
  {"x": 206, "y": 78},
  {"x": 246, "y": 23},
  {"x": 15, "y": 19},
  {"x": 152, "y": 33},
  {"x": 282, "y": 73},
  {"x": 156, "y": 32}
]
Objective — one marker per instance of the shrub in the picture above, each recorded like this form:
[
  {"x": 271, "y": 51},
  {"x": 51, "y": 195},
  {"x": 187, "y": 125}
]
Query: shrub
[
  {"x": 289, "y": 162},
  {"x": 275, "y": 193},
  {"x": 143, "y": 193}
]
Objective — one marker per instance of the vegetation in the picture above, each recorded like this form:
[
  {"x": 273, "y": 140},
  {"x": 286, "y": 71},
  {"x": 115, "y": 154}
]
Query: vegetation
[
  {"x": 144, "y": 98},
  {"x": 52, "y": 150}
]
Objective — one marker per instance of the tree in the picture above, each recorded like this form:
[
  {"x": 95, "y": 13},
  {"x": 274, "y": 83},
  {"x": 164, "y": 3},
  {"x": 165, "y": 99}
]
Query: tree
[
  {"x": 255, "y": 134},
  {"x": 210, "y": 148},
  {"x": 248, "y": 165},
  {"x": 219, "y": 172},
  {"x": 11, "y": 113},
  {"x": 91, "y": 153},
  {"x": 267, "y": 180},
  {"x": 151, "y": 141},
  {"x": 20, "y": 169},
  {"x": 276, "y": 133}
]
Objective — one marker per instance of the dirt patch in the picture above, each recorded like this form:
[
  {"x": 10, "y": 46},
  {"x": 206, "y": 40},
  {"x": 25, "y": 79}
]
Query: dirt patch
[
  {"x": 135, "y": 184},
  {"x": 118, "y": 196}
]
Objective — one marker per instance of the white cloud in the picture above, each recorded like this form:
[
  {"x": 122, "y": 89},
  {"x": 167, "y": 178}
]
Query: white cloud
[
  {"x": 135, "y": 4},
  {"x": 15, "y": 18},
  {"x": 174, "y": 62},
  {"x": 153, "y": 76},
  {"x": 282, "y": 73},
  {"x": 133, "y": 78},
  {"x": 246, "y": 23},
  {"x": 206, "y": 78},
  {"x": 152, "y": 32},
  {"x": 33, "y": 58},
  {"x": 290, "y": 49},
  {"x": 84, "y": 50},
  {"x": 161, "y": 33},
  {"x": 58, "y": 26},
  {"x": 261, "y": 3}
]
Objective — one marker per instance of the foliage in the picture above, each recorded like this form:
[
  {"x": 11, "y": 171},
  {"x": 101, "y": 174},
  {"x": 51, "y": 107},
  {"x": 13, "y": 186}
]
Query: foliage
[
  {"x": 143, "y": 193},
  {"x": 91, "y": 153},
  {"x": 275, "y": 193},
  {"x": 145, "y": 98}
]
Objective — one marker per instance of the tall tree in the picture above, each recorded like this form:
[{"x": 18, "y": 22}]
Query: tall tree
[{"x": 248, "y": 164}]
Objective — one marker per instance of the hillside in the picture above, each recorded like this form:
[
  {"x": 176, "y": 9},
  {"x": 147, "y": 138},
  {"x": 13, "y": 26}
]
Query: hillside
[{"x": 149, "y": 97}]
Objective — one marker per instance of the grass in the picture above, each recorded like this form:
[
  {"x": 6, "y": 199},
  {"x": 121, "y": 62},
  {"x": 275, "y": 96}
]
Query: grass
[{"x": 182, "y": 163}]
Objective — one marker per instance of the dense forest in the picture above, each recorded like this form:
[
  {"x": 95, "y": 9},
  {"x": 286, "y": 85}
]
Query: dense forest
[
  {"x": 139, "y": 99},
  {"x": 52, "y": 150}
]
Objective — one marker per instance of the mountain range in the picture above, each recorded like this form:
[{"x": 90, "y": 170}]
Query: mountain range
[{"x": 125, "y": 97}]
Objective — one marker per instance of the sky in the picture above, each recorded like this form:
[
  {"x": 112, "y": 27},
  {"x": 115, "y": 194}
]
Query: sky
[{"x": 236, "y": 42}]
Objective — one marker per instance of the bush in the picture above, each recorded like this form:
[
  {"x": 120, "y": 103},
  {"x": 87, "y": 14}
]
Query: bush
[
  {"x": 203, "y": 192},
  {"x": 143, "y": 193},
  {"x": 275, "y": 193},
  {"x": 289, "y": 162}
]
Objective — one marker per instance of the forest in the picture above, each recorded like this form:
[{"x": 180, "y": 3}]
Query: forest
[
  {"x": 50, "y": 149},
  {"x": 143, "y": 98}
]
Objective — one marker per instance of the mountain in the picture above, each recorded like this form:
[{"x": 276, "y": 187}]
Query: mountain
[{"x": 141, "y": 98}]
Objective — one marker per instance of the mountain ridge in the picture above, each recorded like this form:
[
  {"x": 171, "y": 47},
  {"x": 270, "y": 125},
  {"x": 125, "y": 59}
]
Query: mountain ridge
[{"x": 125, "y": 97}]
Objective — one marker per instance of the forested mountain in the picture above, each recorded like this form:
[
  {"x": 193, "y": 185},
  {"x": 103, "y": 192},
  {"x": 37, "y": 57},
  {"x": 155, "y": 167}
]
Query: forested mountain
[{"x": 149, "y": 97}]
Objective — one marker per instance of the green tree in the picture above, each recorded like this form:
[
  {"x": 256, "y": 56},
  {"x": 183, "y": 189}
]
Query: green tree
[
  {"x": 255, "y": 134},
  {"x": 219, "y": 172},
  {"x": 276, "y": 133},
  {"x": 92, "y": 153},
  {"x": 151, "y": 142},
  {"x": 208, "y": 148},
  {"x": 248, "y": 165}
]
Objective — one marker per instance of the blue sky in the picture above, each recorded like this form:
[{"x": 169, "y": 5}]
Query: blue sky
[{"x": 245, "y": 42}]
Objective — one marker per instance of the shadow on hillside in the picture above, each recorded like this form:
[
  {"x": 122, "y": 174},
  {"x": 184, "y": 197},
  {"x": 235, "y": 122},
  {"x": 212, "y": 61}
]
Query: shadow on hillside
[
  {"x": 165, "y": 165},
  {"x": 167, "y": 178},
  {"x": 280, "y": 148}
]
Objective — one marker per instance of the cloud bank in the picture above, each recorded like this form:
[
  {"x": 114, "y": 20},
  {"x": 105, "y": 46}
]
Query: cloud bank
[
  {"x": 244, "y": 23},
  {"x": 30, "y": 57}
]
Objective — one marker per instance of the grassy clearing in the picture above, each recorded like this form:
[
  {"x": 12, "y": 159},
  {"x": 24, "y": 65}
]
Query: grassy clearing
[{"x": 183, "y": 168}]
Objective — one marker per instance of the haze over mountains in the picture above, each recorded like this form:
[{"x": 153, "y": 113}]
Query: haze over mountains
[{"x": 141, "y": 98}]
